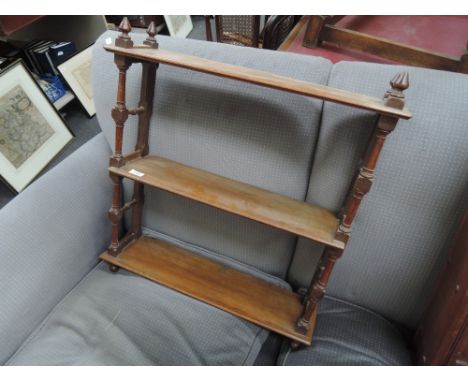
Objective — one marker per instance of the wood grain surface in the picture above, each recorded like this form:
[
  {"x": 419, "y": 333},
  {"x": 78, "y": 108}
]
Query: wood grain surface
[
  {"x": 264, "y": 206},
  {"x": 241, "y": 294},
  {"x": 258, "y": 77}
]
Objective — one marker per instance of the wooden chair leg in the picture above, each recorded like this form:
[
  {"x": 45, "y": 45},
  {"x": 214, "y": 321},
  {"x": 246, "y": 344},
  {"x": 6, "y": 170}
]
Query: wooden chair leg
[
  {"x": 464, "y": 61},
  {"x": 312, "y": 33},
  {"x": 209, "y": 34}
]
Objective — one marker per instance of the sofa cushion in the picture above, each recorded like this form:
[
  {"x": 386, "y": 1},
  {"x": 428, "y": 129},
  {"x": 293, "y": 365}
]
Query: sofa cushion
[
  {"x": 124, "y": 319},
  {"x": 50, "y": 237},
  {"x": 242, "y": 131},
  {"x": 348, "y": 335},
  {"x": 404, "y": 224}
]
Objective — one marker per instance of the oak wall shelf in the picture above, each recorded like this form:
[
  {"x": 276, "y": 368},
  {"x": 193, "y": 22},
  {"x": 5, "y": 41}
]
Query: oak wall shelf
[{"x": 253, "y": 299}]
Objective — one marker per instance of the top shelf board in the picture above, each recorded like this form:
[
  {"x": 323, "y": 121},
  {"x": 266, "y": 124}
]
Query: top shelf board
[{"x": 258, "y": 77}]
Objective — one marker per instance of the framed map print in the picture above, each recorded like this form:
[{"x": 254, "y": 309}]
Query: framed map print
[
  {"x": 31, "y": 131},
  {"x": 179, "y": 25},
  {"x": 77, "y": 73}
]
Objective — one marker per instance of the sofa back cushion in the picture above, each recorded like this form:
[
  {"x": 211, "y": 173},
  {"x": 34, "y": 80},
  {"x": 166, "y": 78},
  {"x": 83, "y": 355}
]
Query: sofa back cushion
[
  {"x": 405, "y": 223},
  {"x": 256, "y": 135}
]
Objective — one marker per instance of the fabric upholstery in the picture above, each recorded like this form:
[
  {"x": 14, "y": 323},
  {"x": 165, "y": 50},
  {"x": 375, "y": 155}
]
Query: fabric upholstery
[
  {"x": 51, "y": 235},
  {"x": 123, "y": 319},
  {"x": 253, "y": 134},
  {"x": 348, "y": 335},
  {"x": 405, "y": 223}
]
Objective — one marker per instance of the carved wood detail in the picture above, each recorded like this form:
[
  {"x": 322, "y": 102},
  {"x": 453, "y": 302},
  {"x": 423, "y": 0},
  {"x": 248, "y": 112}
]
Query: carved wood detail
[
  {"x": 120, "y": 114},
  {"x": 361, "y": 186},
  {"x": 151, "y": 39},
  {"x": 124, "y": 40}
]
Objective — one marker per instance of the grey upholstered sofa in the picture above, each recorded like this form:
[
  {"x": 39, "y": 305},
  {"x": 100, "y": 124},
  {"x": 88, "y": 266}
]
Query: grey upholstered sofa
[{"x": 60, "y": 306}]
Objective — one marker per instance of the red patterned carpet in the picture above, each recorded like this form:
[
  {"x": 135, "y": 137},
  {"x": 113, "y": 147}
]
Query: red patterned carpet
[{"x": 442, "y": 34}]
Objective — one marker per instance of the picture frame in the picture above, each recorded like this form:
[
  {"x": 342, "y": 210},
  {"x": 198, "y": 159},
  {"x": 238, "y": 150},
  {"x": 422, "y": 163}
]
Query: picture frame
[
  {"x": 32, "y": 132},
  {"x": 179, "y": 25},
  {"x": 77, "y": 73}
]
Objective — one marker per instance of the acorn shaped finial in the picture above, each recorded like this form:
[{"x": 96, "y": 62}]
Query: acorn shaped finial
[
  {"x": 398, "y": 84},
  {"x": 400, "y": 81}
]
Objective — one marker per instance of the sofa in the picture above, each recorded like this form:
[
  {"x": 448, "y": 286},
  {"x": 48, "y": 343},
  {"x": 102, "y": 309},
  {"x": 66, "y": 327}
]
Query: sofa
[{"x": 59, "y": 305}]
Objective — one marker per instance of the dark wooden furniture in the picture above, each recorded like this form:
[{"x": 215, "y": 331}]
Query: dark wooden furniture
[
  {"x": 240, "y": 30},
  {"x": 442, "y": 335},
  {"x": 298, "y": 27},
  {"x": 323, "y": 29},
  {"x": 245, "y": 30},
  {"x": 12, "y": 24},
  {"x": 277, "y": 29},
  {"x": 265, "y": 304}
]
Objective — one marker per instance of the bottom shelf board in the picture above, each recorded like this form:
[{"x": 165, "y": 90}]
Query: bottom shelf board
[{"x": 243, "y": 295}]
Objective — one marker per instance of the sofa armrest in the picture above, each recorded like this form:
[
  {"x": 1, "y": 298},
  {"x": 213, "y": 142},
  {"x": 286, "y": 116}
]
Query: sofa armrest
[{"x": 51, "y": 236}]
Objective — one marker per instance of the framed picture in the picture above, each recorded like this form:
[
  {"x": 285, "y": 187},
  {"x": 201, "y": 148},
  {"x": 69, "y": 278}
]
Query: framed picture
[
  {"x": 179, "y": 25},
  {"x": 77, "y": 73},
  {"x": 32, "y": 133}
]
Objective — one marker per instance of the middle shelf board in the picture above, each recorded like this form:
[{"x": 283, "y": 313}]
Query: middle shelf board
[
  {"x": 264, "y": 206},
  {"x": 241, "y": 294}
]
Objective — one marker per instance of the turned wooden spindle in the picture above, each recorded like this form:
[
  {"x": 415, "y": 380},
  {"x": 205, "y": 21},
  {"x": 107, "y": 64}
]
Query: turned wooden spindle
[
  {"x": 148, "y": 81},
  {"x": 124, "y": 40},
  {"x": 361, "y": 186},
  {"x": 151, "y": 40},
  {"x": 119, "y": 115},
  {"x": 119, "y": 111}
]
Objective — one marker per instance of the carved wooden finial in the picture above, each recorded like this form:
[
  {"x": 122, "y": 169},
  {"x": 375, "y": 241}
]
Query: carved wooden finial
[
  {"x": 395, "y": 97},
  {"x": 150, "y": 40},
  {"x": 124, "y": 40},
  {"x": 125, "y": 27},
  {"x": 400, "y": 82}
]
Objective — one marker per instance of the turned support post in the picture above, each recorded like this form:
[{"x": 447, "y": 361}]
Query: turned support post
[
  {"x": 361, "y": 186},
  {"x": 148, "y": 81},
  {"x": 120, "y": 114}
]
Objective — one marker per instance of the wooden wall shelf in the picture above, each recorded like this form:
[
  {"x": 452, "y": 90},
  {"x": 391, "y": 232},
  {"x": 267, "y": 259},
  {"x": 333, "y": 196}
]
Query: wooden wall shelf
[
  {"x": 246, "y": 296},
  {"x": 253, "y": 299},
  {"x": 279, "y": 211}
]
